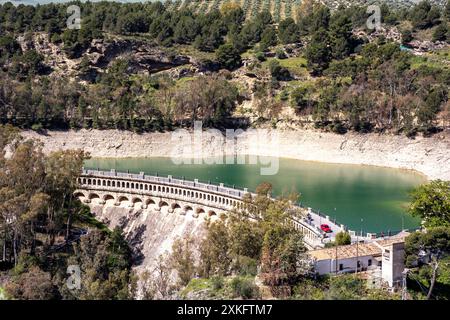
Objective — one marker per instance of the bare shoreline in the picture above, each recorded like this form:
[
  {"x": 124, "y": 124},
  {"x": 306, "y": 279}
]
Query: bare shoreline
[{"x": 428, "y": 156}]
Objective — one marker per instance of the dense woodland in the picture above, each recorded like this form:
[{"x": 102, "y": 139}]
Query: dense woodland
[
  {"x": 43, "y": 229},
  {"x": 350, "y": 83}
]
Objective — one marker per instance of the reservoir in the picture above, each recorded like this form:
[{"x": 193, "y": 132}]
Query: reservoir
[{"x": 367, "y": 198}]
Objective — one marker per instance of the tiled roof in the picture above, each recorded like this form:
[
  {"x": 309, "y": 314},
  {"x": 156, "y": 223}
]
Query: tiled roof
[
  {"x": 348, "y": 251},
  {"x": 353, "y": 250}
]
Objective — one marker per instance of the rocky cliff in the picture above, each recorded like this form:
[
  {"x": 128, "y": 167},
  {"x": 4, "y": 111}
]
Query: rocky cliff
[{"x": 150, "y": 233}]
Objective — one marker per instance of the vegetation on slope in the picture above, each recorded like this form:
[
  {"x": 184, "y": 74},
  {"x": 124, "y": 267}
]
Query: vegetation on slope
[
  {"x": 401, "y": 92},
  {"x": 43, "y": 229}
]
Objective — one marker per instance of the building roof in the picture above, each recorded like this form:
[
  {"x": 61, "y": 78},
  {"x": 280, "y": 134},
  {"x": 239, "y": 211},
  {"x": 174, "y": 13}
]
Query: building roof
[
  {"x": 345, "y": 252},
  {"x": 362, "y": 249}
]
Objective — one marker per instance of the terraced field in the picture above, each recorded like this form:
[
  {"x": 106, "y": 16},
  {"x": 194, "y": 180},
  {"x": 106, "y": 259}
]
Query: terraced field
[{"x": 280, "y": 9}]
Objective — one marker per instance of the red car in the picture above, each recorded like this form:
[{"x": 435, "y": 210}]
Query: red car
[{"x": 325, "y": 228}]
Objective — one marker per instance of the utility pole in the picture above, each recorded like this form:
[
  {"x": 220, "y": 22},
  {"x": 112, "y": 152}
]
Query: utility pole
[
  {"x": 336, "y": 257},
  {"x": 357, "y": 252},
  {"x": 404, "y": 289},
  {"x": 357, "y": 247}
]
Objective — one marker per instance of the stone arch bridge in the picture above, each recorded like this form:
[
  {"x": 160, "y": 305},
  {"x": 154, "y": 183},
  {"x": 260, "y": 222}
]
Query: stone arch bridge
[{"x": 172, "y": 196}]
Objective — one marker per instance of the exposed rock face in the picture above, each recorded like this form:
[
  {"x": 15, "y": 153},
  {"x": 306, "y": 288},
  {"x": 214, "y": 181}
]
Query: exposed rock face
[
  {"x": 149, "y": 232},
  {"x": 143, "y": 56},
  {"x": 430, "y": 156}
]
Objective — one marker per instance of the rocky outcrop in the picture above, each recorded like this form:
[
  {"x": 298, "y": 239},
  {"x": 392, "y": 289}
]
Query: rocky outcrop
[
  {"x": 150, "y": 233},
  {"x": 143, "y": 57}
]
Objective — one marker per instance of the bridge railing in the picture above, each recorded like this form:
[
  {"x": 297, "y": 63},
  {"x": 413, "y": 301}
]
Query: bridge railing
[
  {"x": 218, "y": 188},
  {"x": 221, "y": 188}
]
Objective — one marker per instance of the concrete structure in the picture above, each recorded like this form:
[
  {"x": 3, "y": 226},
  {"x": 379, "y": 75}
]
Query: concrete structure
[
  {"x": 381, "y": 258},
  {"x": 393, "y": 263},
  {"x": 176, "y": 196}
]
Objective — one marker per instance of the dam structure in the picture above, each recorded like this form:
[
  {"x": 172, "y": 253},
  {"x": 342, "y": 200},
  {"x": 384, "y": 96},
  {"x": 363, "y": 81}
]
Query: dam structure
[{"x": 184, "y": 197}]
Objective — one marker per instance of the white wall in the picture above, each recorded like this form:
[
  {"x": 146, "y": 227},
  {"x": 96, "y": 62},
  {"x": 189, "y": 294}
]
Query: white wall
[{"x": 327, "y": 266}]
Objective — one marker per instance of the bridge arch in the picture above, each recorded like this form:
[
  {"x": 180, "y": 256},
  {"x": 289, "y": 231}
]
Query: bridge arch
[
  {"x": 163, "y": 203},
  {"x": 212, "y": 213},
  {"x": 108, "y": 196},
  {"x": 123, "y": 198},
  {"x": 79, "y": 194},
  {"x": 93, "y": 196},
  {"x": 136, "y": 200}
]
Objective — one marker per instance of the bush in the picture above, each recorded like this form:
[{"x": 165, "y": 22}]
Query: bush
[
  {"x": 246, "y": 266},
  {"x": 217, "y": 283},
  {"x": 244, "y": 287},
  {"x": 343, "y": 238},
  {"x": 278, "y": 72},
  {"x": 280, "y": 54},
  {"x": 260, "y": 56},
  {"x": 37, "y": 127},
  {"x": 338, "y": 127}
]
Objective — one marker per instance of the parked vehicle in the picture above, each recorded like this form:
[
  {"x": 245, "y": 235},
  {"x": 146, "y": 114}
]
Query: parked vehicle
[{"x": 325, "y": 228}]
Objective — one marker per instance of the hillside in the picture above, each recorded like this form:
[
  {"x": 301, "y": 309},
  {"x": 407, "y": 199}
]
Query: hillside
[{"x": 133, "y": 66}]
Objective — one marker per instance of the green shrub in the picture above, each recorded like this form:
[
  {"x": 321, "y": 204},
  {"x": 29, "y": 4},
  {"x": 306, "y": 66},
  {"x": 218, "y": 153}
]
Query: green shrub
[
  {"x": 280, "y": 54},
  {"x": 37, "y": 127},
  {"x": 217, "y": 283},
  {"x": 246, "y": 266},
  {"x": 244, "y": 287},
  {"x": 260, "y": 56}
]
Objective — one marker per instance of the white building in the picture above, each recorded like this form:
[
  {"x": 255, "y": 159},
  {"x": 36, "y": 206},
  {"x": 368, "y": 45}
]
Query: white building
[{"x": 386, "y": 256}]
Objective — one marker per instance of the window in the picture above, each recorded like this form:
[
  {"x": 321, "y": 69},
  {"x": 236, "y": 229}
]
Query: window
[
  {"x": 341, "y": 267},
  {"x": 369, "y": 263}
]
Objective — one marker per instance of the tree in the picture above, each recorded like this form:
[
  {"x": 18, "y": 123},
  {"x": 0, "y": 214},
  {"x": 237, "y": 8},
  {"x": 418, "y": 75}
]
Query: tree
[
  {"x": 441, "y": 32},
  {"x": 428, "y": 248},
  {"x": 34, "y": 284},
  {"x": 228, "y": 56},
  {"x": 447, "y": 10},
  {"x": 214, "y": 251},
  {"x": 278, "y": 72},
  {"x": 182, "y": 259},
  {"x": 343, "y": 238},
  {"x": 211, "y": 99},
  {"x": 341, "y": 36},
  {"x": 424, "y": 15},
  {"x": 318, "y": 52},
  {"x": 312, "y": 17},
  {"x": 268, "y": 38},
  {"x": 8, "y": 47},
  {"x": 407, "y": 36},
  {"x": 431, "y": 202},
  {"x": 300, "y": 99},
  {"x": 232, "y": 14},
  {"x": 288, "y": 31},
  {"x": 186, "y": 30},
  {"x": 345, "y": 287},
  {"x": 283, "y": 258},
  {"x": 106, "y": 264}
]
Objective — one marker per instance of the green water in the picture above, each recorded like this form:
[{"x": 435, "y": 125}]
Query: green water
[{"x": 348, "y": 193}]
